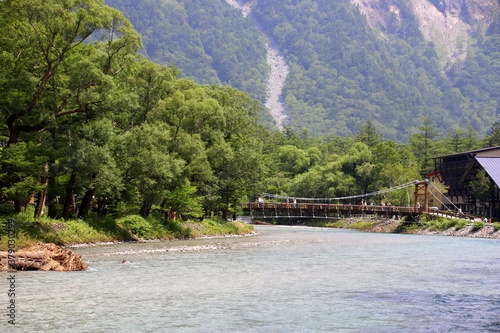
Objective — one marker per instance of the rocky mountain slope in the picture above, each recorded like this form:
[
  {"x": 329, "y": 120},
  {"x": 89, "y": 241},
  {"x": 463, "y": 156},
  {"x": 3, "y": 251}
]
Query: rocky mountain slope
[
  {"x": 449, "y": 24},
  {"x": 329, "y": 66}
]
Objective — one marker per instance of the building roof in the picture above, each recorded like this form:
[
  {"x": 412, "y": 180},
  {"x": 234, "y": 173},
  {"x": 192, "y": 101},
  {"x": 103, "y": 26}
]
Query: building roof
[
  {"x": 492, "y": 167},
  {"x": 490, "y": 151}
]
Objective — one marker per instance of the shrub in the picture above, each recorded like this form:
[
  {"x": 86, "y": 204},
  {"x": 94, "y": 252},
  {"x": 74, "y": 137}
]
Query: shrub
[
  {"x": 460, "y": 224},
  {"x": 136, "y": 225},
  {"x": 496, "y": 226},
  {"x": 177, "y": 229},
  {"x": 477, "y": 225},
  {"x": 441, "y": 223},
  {"x": 338, "y": 224}
]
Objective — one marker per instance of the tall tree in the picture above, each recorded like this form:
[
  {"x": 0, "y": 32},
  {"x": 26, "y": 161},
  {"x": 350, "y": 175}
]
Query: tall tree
[
  {"x": 59, "y": 61},
  {"x": 368, "y": 134},
  {"x": 481, "y": 187},
  {"x": 50, "y": 71},
  {"x": 493, "y": 139},
  {"x": 424, "y": 145}
]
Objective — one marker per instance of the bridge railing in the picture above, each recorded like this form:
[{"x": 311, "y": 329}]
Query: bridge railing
[{"x": 329, "y": 208}]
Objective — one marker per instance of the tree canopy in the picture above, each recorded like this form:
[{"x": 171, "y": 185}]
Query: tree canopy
[
  {"x": 89, "y": 126},
  {"x": 342, "y": 72}
]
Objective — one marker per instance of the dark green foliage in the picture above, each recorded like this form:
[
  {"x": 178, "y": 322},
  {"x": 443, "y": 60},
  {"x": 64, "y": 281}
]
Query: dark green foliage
[
  {"x": 342, "y": 73},
  {"x": 209, "y": 41},
  {"x": 113, "y": 134}
]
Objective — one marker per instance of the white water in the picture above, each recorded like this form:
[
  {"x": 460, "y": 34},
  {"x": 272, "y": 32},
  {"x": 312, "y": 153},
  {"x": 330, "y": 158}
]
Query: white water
[
  {"x": 284, "y": 280},
  {"x": 278, "y": 73}
]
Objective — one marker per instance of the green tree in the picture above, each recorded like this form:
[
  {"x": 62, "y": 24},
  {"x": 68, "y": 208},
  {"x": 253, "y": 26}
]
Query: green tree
[
  {"x": 481, "y": 187},
  {"x": 456, "y": 140},
  {"x": 493, "y": 139},
  {"x": 368, "y": 134},
  {"x": 424, "y": 145},
  {"x": 59, "y": 64},
  {"x": 49, "y": 70},
  {"x": 150, "y": 170}
]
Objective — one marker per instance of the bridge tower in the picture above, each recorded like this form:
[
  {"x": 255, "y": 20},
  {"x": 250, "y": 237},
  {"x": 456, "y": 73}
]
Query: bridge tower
[{"x": 422, "y": 189}]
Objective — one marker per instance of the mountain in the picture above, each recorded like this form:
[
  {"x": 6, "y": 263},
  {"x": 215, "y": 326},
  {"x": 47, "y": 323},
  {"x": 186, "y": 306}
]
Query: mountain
[{"x": 391, "y": 62}]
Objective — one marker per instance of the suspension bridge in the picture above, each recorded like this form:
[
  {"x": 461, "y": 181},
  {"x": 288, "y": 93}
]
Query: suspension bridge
[{"x": 297, "y": 207}]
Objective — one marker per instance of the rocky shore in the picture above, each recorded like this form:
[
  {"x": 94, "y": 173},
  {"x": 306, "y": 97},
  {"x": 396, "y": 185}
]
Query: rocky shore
[
  {"x": 400, "y": 227},
  {"x": 395, "y": 226}
]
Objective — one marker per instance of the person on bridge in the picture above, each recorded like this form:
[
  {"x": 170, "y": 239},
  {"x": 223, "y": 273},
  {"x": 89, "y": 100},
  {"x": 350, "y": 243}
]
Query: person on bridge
[{"x": 261, "y": 202}]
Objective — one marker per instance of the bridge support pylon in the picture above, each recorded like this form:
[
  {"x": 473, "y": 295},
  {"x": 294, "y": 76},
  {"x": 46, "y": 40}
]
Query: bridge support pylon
[{"x": 422, "y": 189}]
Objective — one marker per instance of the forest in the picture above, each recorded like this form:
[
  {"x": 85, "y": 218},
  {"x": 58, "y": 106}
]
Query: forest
[
  {"x": 90, "y": 128},
  {"x": 342, "y": 72}
]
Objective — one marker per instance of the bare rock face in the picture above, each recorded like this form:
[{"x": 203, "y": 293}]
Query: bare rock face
[{"x": 448, "y": 23}]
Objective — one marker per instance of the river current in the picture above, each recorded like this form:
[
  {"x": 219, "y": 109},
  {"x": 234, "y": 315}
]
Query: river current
[{"x": 285, "y": 279}]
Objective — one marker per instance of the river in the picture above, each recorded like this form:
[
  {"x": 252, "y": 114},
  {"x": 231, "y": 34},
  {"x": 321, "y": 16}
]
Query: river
[{"x": 285, "y": 279}]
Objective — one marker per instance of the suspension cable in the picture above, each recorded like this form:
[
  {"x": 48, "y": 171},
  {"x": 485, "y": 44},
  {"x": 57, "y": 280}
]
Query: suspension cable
[
  {"x": 395, "y": 188},
  {"x": 444, "y": 196}
]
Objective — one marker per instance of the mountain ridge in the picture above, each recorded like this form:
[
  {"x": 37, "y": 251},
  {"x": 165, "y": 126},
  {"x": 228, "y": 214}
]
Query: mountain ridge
[
  {"x": 448, "y": 23},
  {"x": 343, "y": 71}
]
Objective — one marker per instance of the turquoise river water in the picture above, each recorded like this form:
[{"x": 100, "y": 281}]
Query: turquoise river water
[{"x": 285, "y": 279}]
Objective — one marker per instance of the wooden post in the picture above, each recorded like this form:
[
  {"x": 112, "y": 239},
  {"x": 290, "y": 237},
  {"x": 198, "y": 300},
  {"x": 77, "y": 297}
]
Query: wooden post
[{"x": 422, "y": 189}]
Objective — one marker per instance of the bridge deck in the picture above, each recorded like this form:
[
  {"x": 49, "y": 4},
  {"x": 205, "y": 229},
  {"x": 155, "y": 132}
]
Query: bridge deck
[{"x": 279, "y": 208}]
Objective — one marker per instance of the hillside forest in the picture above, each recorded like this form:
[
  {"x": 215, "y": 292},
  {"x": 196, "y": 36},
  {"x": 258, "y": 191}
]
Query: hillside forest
[
  {"x": 89, "y": 127},
  {"x": 342, "y": 72}
]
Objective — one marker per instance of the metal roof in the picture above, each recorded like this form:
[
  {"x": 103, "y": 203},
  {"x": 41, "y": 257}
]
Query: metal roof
[
  {"x": 472, "y": 152},
  {"x": 492, "y": 166}
]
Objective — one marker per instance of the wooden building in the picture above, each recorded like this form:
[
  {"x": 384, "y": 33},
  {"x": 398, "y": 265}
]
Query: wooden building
[{"x": 459, "y": 171}]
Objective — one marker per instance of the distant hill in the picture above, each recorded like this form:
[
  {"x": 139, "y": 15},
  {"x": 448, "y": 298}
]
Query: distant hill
[
  {"x": 349, "y": 63},
  {"x": 209, "y": 41}
]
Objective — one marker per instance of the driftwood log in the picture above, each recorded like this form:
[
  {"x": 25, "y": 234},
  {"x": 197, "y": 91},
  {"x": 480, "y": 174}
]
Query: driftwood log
[{"x": 43, "y": 257}]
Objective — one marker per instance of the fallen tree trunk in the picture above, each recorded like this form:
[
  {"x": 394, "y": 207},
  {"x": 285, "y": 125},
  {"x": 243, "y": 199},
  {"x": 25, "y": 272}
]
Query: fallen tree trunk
[{"x": 43, "y": 257}]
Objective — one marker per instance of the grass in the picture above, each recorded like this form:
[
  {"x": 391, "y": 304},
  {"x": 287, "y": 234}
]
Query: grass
[
  {"x": 214, "y": 227},
  {"x": 30, "y": 231},
  {"x": 442, "y": 223},
  {"x": 338, "y": 224},
  {"x": 361, "y": 225}
]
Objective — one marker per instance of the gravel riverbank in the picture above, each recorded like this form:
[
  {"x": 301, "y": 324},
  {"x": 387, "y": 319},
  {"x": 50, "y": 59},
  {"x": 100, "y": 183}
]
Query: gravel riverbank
[{"x": 394, "y": 226}]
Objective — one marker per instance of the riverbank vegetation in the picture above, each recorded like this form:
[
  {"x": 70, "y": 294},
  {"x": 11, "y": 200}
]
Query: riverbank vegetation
[
  {"x": 99, "y": 144},
  {"x": 424, "y": 225},
  {"x": 30, "y": 231}
]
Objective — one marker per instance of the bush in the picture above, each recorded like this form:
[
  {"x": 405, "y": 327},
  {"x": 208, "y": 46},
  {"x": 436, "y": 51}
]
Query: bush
[
  {"x": 477, "y": 226},
  {"x": 338, "y": 224},
  {"x": 177, "y": 229},
  {"x": 441, "y": 223},
  {"x": 496, "y": 226},
  {"x": 136, "y": 225},
  {"x": 460, "y": 224}
]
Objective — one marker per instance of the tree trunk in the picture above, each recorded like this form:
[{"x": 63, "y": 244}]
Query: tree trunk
[
  {"x": 52, "y": 201},
  {"x": 14, "y": 132},
  {"x": 18, "y": 206},
  {"x": 146, "y": 208},
  {"x": 68, "y": 200},
  {"x": 86, "y": 203},
  {"x": 42, "y": 195}
]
